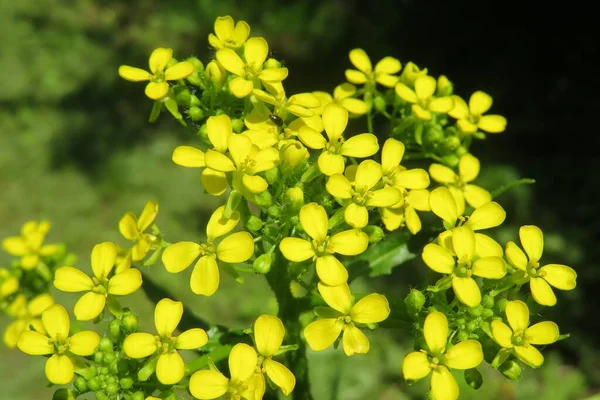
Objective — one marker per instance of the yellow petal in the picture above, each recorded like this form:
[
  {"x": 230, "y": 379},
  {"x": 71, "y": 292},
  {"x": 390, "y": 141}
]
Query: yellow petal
[
  {"x": 476, "y": 196},
  {"x": 39, "y": 304},
  {"x": 371, "y": 309},
  {"x": 532, "y": 240},
  {"x": 468, "y": 167},
  {"x": 360, "y": 146},
  {"x": 322, "y": 333},
  {"x": 435, "y": 330},
  {"x": 311, "y": 138},
  {"x": 295, "y": 249},
  {"x": 330, "y": 164},
  {"x": 30, "y": 261},
  {"x": 139, "y": 345},
  {"x": 134, "y": 74},
  {"x": 268, "y": 334},
  {"x": 125, "y": 282},
  {"x": 128, "y": 226},
  {"x": 314, "y": 221},
  {"x": 542, "y": 292},
  {"x": 405, "y": 93},
  {"x": 84, "y": 343},
  {"x": 339, "y": 186},
  {"x": 218, "y": 226},
  {"x": 441, "y": 105},
  {"x": 464, "y": 355},
  {"x": 179, "y": 256},
  {"x": 34, "y": 343},
  {"x": 147, "y": 216},
  {"x": 140, "y": 249},
  {"x": 231, "y": 61},
  {"x": 442, "y": 174},
  {"x": 443, "y": 384},
  {"x": 487, "y": 216},
  {"x": 492, "y": 123},
  {"x": 344, "y": 91},
  {"x": 256, "y": 50},
  {"x": 466, "y": 126},
  {"x": 167, "y": 315},
  {"x": 368, "y": 174},
  {"x": 280, "y": 375},
  {"x": 13, "y": 331},
  {"x": 356, "y": 77},
  {"x": 262, "y": 138},
  {"x": 104, "y": 256},
  {"x": 529, "y": 355},
  {"x": 224, "y": 27},
  {"x": 159, "y": 59},
  {"x": 219, "y": 129},
  {"x": 337, "y": 297},
  {"x": 361, "y": 60},
  {"x": 240, "y": 148},
  {"x": 467, "y": 291},
  {"x": 542, "y": 333},
  {"x": 331, "y": 271},
  {"x": 254, "y": 183},
  {"x": 517, "y": 315},
  {"x": 413, "y": 222},
  {"x": 391, "y": 154},
  {"x": 502, "y": 334},
  {"x": 69, "y": 279},
  {"x": 443, "y": 205},
  {"x": 415, "y": 366},
  {"x": 386, "y": 197},
  {"x": 170, "y": 368},
  {"x": 56, "y": 322},
  {"x": 236, "y": 248},
  {"x": 205, "y": 276},
  {"x": 179, "y": 71},
  {"x": 355, "y": 106},
  {"x": 275, "y": 75},
  {"x": 156, "y": 90},
  {"x": 59, "y": 369},
  {"x": 489, "y": 267},
  {"x": 242, "y": 362},
  {"x": 215, "y": 182},
  {"x": 418, "y": 199},
  {"x": 515, "y": 256},
  {"x": 354, "y": 341},
  {"x": 191, "y": 339},
  {"x": 356, "y": 216},
  {"x": 240, "y": 87},
  {"x": 416, "y": 178},
  {"x": 425, "y": 87},
  {"x": 208, "y": 384},
  {"x": 388, "y": 65},
  {"x": 485, "y": 246},
  {"x": 479, "y": 103},
  {"x": 89, "y": 306},
  {"x": 49, "y": 249},
  {"x": 349, "y": 243},
  {"x": 460, "y": 110},
  {"x": 335, "y": 119},
  {"x": 438, "y": 258},
  {"x": 463, "y": 242},
  {"x": 559, "y": 276}
]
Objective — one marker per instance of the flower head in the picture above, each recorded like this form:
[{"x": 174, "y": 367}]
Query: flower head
[
  {"x": 383, "y": 73},
  {"x": 439, "y": 359},
  {"x": 228, "y": 35},
  {"x": 159, "y": 74},
  {"x": 170, "y": 368},
  {"x": 520, "y": 337},
  {"x": 134, "y": 229},
  {"x": 27, "y": 315},
  {"x": 422, "y": 98},
  {"x": 29, "y": 246},
  {"x": 470, "y": 118},
  {"x": 9, "y": 284},
  {"x": 542, "y": 278},
  {"x": 56, "y": 341},
  {"x": 102, "y": 285},
  {"x": 345, "y": 315}
]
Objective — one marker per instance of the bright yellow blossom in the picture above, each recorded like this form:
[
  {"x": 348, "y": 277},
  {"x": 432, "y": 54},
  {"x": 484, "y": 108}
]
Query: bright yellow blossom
[
  {"x": 228, "y": 35},
  {"x": 235, "y": 248},
  {"x": 520, "y": 336},
  {"x": 438, "y": 359},
  {"x": 60, "y": 366},
  {"x": 268, "y": 335},
  {"x": 342, "y": 95},
  {"x": 249, "y": 72},
  {"x": 215, "y": 73},
  {"x": 210, "y": 384},
  {"x": 133, "y": 229},
  {"x": 470, "y": 118},
  {"x": 411, "y": 73},
  {"x": 465, "y": 266},
  {"x": 9, "y": 284},
  {"x": 300, "y": 105},
  {"x": 159, "y": 74},
  {"x": 324, "y": 332},
  {"x": 458, "y": 184},
  {"x": 27, "y": 315},
  {"x": 364, "y": 194},
  {"x": 540, "y": 279},
  {"x": 98, "y": 288},
  {"x": 422, "y": 98},
  {"x": 29, "y": 246},
  {"x": 331, "y": 160},
  {"x": 170, "y": 368},
  {"x": 364, "y": 73},
  {"x": 322, "y": 248},
  {"x": 219, "y": 130}
]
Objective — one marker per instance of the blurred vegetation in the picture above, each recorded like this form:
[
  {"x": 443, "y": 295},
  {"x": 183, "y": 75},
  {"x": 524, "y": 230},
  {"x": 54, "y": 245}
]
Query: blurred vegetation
[{"x": 76, "y": 149}]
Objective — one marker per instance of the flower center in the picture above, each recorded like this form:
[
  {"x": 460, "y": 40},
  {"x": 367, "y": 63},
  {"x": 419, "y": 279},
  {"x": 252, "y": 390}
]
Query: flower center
[
  {"x": 463, "y": 269},
  {"x": 322, "y": 248},
  {"x": 518, "y": 338}
]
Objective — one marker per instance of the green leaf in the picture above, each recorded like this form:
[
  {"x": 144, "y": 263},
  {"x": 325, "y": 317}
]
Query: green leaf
[
  {"x": 385, "y": 255},
  {"x": 64, "y": 394}
]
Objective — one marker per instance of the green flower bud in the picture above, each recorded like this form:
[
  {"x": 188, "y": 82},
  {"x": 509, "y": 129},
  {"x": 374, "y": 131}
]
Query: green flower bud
[
  {"x": 104, "y": 371},
  {"x": 293, "y": 156},
  {"x": 129, "y": 322},
  {"x": 111, "y": 379},
  {"x": 501, "y": 305},
  {"x": 511, "y": 369},
  {"x": 273, "y": 175},
  {"x": 444, "y": 86},
  {"x": 137, "y": 396},
  {"x": 434, "y": 134},
  {"x": 98, "y": 357},
  {"x": 274, "y": 211},
  {"x": 195, "y": 101},
  {"x": 262, "y": 264},
  {"x": 463, "y": 335},
  {"x": 475, "y": 311},
  {"x": 368, "y": 98},
  {"x": 414, "y": 301},
  {"x": 452, "y": 143},
  {"x": 473, "y": 378},
  {"x": 182, "y": 95},
  {"x": 450, "y": 160},
  {"x": 295, "y": 197},
  {"x": 101, "y": 396},
  {"x": 194, "y": 78},
  {"x": 109, "y": 358},
  {"x": 171, "y": 396},
  {"x": 114, "y": 329},
  {"x": 487, "y": 301},
  {"x": 253, "y": 224},
  {"x": 272, "y": 63},
  {"x": 112, "y": 388},
  {"x": 80, "y": 384},
  {"x": 93, "y": 384},
  {"x": 126, "y": 383},
  {"x": 237, "y": 125},
  {"x": 461, "y": 150},
  {"x": 203, "y": 133},
  {"x": 263, "y": 199},
  {"x": 106, "y": 345},
  {"x": 473, "y": 325},
  {"x": 487, "y": 313},
  {"x": 196, "y": 113},
  {"x": 233, "y": 202},
  {"x": 379, "y": 103},
  {"x": 374, "y": 232},
  {"x": 102, "y": 380}
]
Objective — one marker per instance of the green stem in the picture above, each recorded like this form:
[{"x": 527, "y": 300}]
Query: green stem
[
  {"x": 510, "y": 185},
  {"x": 370, "y": 121}
]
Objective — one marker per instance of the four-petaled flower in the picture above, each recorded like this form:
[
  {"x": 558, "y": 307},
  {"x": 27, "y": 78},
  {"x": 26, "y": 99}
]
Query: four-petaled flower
[
  {"x": 56, "y": 341},
  {"x": 364, "y": 73},
  {"x": 27, "y": 315},
  {"x": 170, "y": 368},
  {"x": 229, "y": 35},
  {"x": 29, "y": 246},
  {"x": 133, "y": 229},
  {"x": 422, "y": 98},
  {"x": 470, "y": 118},
  {"x": 438, "y": 359}
]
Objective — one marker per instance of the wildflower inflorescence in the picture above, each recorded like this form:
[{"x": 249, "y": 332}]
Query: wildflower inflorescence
[{"x": 302, "y": 197}]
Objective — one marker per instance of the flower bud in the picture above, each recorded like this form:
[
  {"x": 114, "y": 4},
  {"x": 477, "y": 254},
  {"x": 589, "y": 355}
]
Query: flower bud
[
  {"x": 129, "y": 322},
  {"x": 487, "y": 301},
  {"x": 461, "y": 150},
  {"x": 450, "y": 160},
  {"x": 374, "y": 232},
  {"x": 195, "y": 78},
  {"x": 410, "y": 73},
  {"x": 237, "y": 125},
  {"x": 196, "y": 113},
  {"x": 106, "y": 345},
  {"x": 263, "y": 199},
  {"x": 214, "y": 73},
  {"x": 273, "y": 175},
  {"x": 137, "y": 396},
  {"x": 233, "y": 202},
  {"x": 274, "y": 211},
  {"x": 475, "y": 311},
  {"x": 111, "y": 388},
  {"x": 487, "y": 313},
  {"x": 98, "y": 357},
  {"x": 501, "y": 305},
  {"x": 414, "y": 301},
  {"x": 451, "y": 143},
  {"x": 473, "y": 325},
  {"x": 104, "y": 371},
  {"x": 203, "y": 133},
  {"x": 379, "y": 103},
  {"x": 444, "y": 86},
  {"x": 101, "y": 396},
  {"x": 511, "y": 369},
  {"x": 434, "y": 134},
  {"x": 473, "y": 378},
  {"x": 463, "y": 335},
  {"x": 109, "y": 358},
  {"x": 272, "y": 63},
  {"x": 64, "y": 394},
  {"x": 93, "y": 384},
  {"x": 182, "y": 95},
  {"x": 262, "y": 264},
  {"x": 114, "y": 329},
  {"x": 293, "y": 155},
  {"x": 126, "y": 383},
  {"x": 368, "y": 98},
  {"x": 253, "y": 224},
  {"x": 80, "y": 384}
]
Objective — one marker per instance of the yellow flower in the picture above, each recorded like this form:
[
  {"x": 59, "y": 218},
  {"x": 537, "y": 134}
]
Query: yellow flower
[
  {"x": 324, "y": 332},
  {"x": 438, "y": 360},
  {"x": 60, "y": 366},
  {"x": 458, "y": 184},
  {"x": 249, "y": 71},
  {"x": 235, "y": 248},
  {"x": 342, "y": 96},
  {"x": 248, "y": 160},
  {"x": 29, "y": 246},
  {"x": 9, "y": 284},
  {"x": 210, "y": 384},
  {"x": 331, "y": 160},
  {"x": 520, "y": 336},
  {"x": 322, "y": 248},
  {"x": 300, "y": 105},
  {"x": 411, "y": 73},
  {"x": 364, "y": 73},
  {"x": 443, "y": 205},
  {"x": 422, "y": 98},
  {"x": 229, "y": 35},
  {"x": 465, "y": 266},
  {"x": 170, "y": 368},
  {"x": 268, "y": 336},
  {"x": 215, "y": 73},
  {"x": 470, "y": 118},
  {"x": 405, "y": 211},
  {"x": 219, "y": 130},
  {"x": 293, "y": 154},
  {"x": 133, "y": 229},
  {"x": 363, "y": 193},
  {"x": 159, "y": 74},
  {"x": 540, "y": 279},
  {"x": 98, "y": 288},
  {"x": 26, "y": 315}
]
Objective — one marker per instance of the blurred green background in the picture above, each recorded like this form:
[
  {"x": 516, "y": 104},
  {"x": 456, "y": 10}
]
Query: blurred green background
[{"x": 75, "y": 148}]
